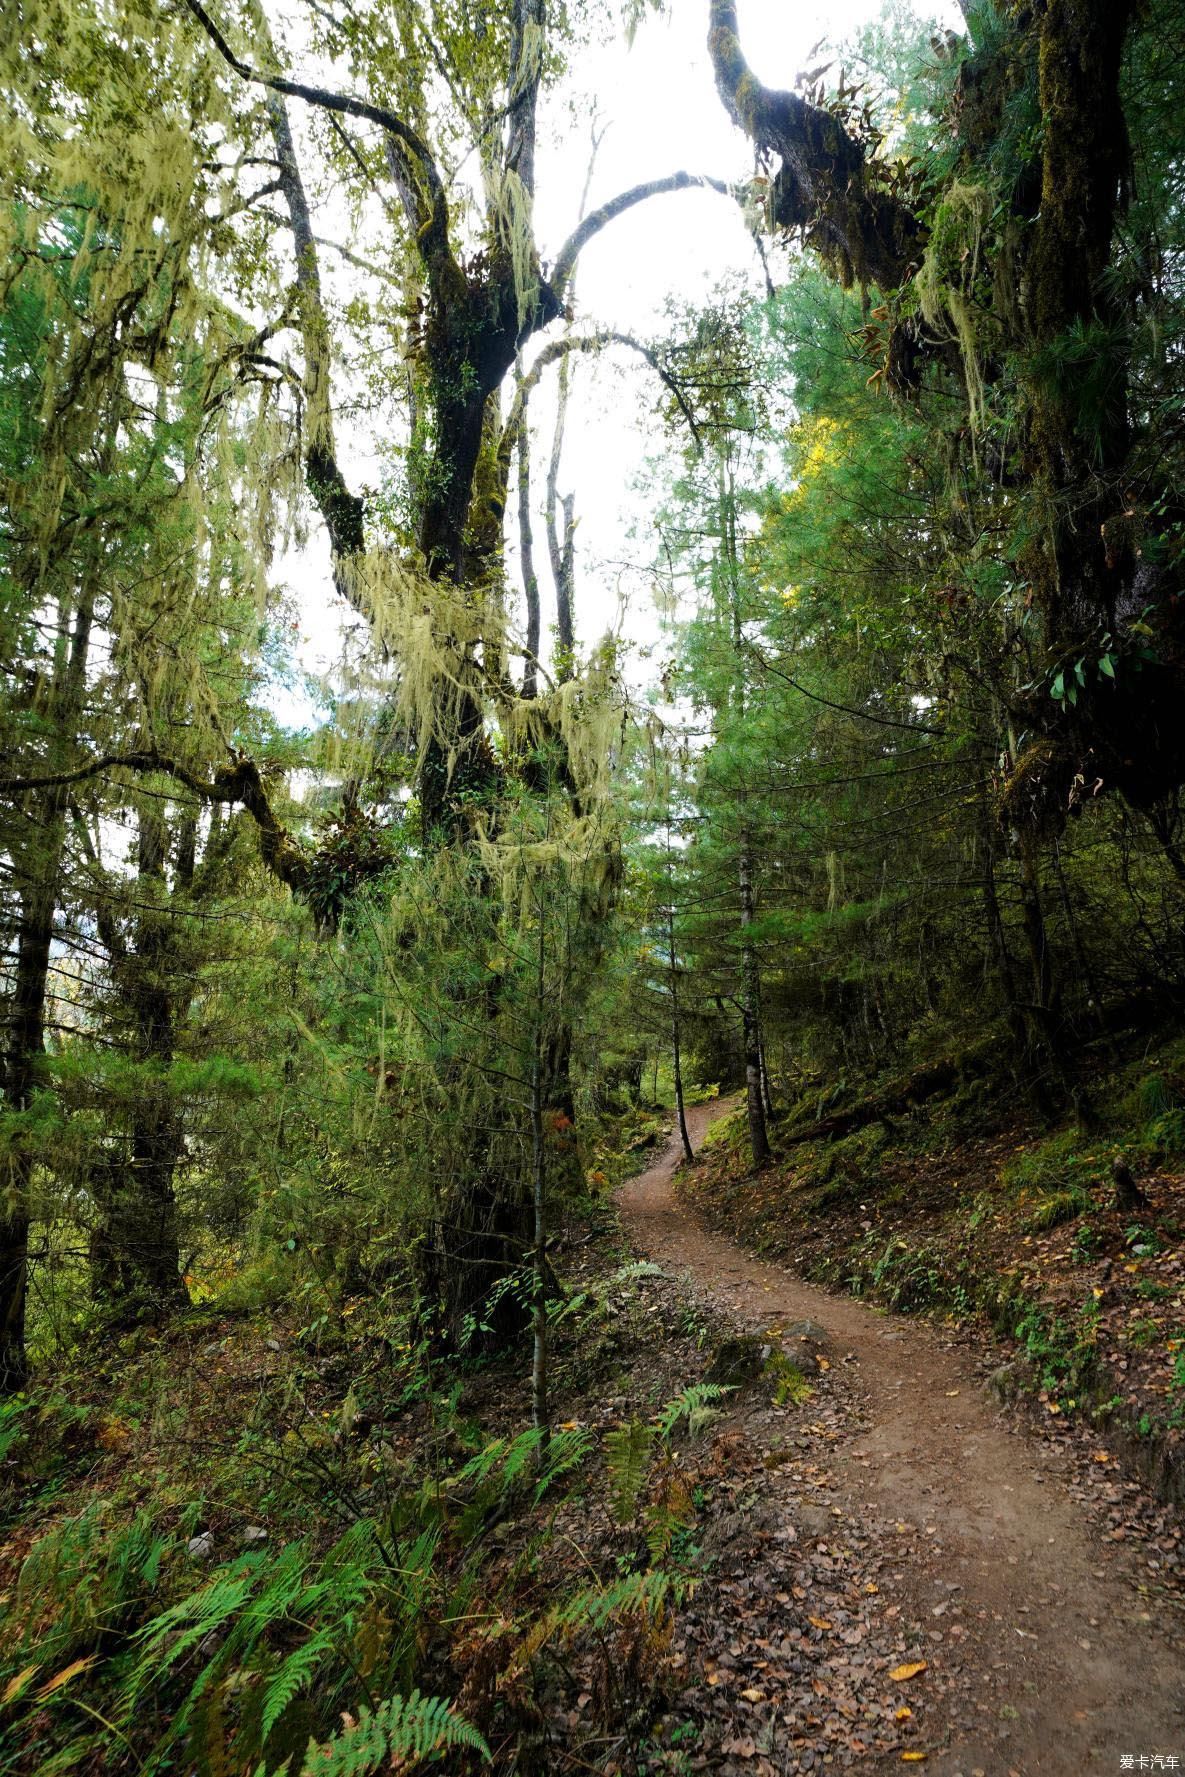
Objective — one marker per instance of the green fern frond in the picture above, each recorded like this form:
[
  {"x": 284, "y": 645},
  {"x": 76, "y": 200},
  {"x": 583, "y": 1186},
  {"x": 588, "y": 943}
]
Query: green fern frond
[
  {"x": 169, "y": 1636},
  {"x": 293, "y": 1675},
  {"x": 636, "y": 1268},
  {"x": 627, "y": 1456},
  {"x": 595, "y": 1606},
  {"x": 402, "y": 1727},
  {"x": 566, "y": 1451},
  {"x": 520, "y": 1454},
  {"x": 694, "y": 1405}
]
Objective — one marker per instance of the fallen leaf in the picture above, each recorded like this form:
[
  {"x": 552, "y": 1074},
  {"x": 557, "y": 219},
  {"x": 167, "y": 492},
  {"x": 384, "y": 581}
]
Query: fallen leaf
[
  {"x": 910, "y": 1670},
  {"x": 819, "y": 1622},
  {"x": 753, "y": 1695},
  {"x": 904, "y": 1713},
  {"x": 913, "y": 1758}
]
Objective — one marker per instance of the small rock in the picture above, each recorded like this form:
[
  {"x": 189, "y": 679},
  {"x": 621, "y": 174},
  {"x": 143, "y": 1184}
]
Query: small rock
[
  {"x": 810, "y": 1330},
  {"x": 253, "y": 1535},
  {"x": 200, "y": 1547},
  {"x": 1006, "y": 1381},
  {"x": 815, "y": 1520}
]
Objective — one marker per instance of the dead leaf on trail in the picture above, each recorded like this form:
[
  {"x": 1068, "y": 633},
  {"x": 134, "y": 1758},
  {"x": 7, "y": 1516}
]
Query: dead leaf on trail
[
  {"x": 753, "y": 1695},
  {"x": 819, "y": 1622},
  {"x": 913, "y": 1758},
  {"x": 904, "y": 1713},
  {"x": 910, "y": 1670}
]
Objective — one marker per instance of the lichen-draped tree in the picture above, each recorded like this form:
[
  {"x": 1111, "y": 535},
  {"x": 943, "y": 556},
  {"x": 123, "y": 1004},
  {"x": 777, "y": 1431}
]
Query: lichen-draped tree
[
  {"x": 1014, "y": 272},
  {"x": 130, "y": 391},
  {"x": 476, "y": 293}
]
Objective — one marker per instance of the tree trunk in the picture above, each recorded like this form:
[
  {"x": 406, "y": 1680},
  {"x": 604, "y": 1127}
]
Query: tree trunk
[
  {"x": 37, "y": 878},
  {"x": 751, "y": 1014},
  {"x": 767, "y": 1094},
  {"x": 1046, "y": 1049},
  {"x": 1031, "y": 1073},
  {"x": 136, "y": 1269},
  {"x": 539, "y": 1403},
  {"x": 526, "y": 550},
  {"x": 676, "y": 1043}
]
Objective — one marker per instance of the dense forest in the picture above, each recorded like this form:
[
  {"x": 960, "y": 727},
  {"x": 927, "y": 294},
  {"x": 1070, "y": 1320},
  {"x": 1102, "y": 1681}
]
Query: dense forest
[{"x": 342, "y": 1428}]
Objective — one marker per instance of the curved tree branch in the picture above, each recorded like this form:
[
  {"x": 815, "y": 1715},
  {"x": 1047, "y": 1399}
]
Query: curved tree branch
[
  {"x": 597, "y": 219},
  {"x": 827, "y": 186}
]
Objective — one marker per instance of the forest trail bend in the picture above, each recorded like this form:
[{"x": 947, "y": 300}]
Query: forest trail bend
[{"x": 1080, "y": 1669}]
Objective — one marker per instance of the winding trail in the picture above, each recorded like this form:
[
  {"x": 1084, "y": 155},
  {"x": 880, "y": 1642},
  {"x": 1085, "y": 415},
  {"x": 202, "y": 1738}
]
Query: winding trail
[{"x": 1078, "y": 1661}]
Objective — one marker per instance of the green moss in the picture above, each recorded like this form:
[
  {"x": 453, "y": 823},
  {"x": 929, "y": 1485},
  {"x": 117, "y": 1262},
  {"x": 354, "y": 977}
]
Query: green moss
[{"x": 791, "y": 1387}]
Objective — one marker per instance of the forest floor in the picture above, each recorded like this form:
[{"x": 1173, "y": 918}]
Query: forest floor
[{"x": 913, "y": 1571}]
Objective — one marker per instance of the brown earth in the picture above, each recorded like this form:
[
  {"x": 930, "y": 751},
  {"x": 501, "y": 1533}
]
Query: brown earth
[{"x": 1045, "y": 1650}]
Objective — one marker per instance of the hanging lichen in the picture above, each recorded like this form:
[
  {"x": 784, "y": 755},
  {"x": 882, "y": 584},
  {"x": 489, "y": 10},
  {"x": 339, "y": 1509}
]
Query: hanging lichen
[{"x": 946, "y": 283}]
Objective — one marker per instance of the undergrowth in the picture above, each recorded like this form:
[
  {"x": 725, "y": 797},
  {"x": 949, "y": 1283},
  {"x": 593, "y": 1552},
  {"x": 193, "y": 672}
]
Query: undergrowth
[{"x": 400, "y": 1603}]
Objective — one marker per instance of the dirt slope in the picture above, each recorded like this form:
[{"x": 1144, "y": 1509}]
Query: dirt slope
[{"x": 1054, "y": 1662}]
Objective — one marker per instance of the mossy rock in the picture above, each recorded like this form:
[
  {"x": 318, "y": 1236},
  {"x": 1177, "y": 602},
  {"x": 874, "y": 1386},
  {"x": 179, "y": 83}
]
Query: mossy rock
[{"x": 738, "y": 1361}]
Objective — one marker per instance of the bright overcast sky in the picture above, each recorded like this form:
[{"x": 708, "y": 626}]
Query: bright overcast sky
[{"x": 663, "y": 114}]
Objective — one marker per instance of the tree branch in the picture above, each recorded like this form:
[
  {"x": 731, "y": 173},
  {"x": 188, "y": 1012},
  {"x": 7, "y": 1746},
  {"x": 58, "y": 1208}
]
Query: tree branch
[
  {"x": 597, "y": 219},
  {"x": 240, "y": 782},
  {"x": 826, "y": 187},
  {"x": 328, "y": 101}
]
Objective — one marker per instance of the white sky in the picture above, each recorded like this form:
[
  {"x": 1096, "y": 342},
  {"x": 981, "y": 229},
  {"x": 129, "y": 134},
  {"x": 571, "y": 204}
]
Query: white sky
[{"x": 663, "y": 114}]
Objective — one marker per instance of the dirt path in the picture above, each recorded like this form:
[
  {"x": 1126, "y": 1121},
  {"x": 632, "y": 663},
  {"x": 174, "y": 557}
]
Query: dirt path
[{"x": 1080, "y": 1667}]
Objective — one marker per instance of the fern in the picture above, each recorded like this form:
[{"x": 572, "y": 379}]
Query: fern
[
  {"x": 595, "y": 1606},
  {"x": 10, "y": 1425},
  {"x": 401, "y": 1728},
  {"x": 248, "y": 1604},
  {"x": 627, "y": 1454},
  {"x": 566, "y": 1451},
  {"x": 636, "y": 1268},
  {"x": 511, "y": 1458},
  {"x": 183, "y": 1625},
  {"x": 293, "y": 1675},
  {"x": 671, "y": 1510},
  {"x": 694, "y": 1405}
]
